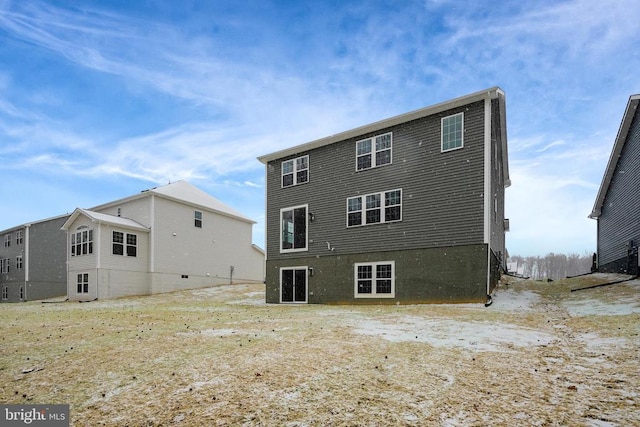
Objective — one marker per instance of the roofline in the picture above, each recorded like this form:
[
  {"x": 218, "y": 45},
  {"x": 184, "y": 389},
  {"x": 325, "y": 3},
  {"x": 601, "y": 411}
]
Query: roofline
[
  {"x": 490, "y": 93},
  {"x": 30, "y": 223},
  {"x": 87, "y": 212},
  {"x": 621, "y": 138},
  {"x": 149, "y": 192}
]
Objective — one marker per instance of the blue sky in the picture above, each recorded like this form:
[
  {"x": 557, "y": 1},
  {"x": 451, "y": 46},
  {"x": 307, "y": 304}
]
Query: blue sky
[{"x": 102, "y": 99}]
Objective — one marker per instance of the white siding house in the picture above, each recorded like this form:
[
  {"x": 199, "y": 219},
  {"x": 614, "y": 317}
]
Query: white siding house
[{"x": 163, "y": 239}]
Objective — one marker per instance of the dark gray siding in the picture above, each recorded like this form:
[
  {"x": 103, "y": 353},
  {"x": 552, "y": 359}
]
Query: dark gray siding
[
  {"x": 497, "y": 238},
  {"x": 619, "y": 221},
  {"x": 45, "y": 260},
  {"x": 15, "y": 278},
  {"x": 442, "y": 200}
]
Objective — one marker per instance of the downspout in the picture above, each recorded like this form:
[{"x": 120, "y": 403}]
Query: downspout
[
  {"x": 487, "y": 187},
  {"x": 98, "y": 259},
  {"x": 26, "y": 251}
]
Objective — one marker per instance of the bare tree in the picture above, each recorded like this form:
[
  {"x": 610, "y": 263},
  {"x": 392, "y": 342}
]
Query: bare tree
[{"x": 552, "y": 266}]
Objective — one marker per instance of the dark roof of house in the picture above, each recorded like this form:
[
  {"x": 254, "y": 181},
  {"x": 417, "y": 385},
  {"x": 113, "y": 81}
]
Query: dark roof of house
[{"x": 621, "y": 139}]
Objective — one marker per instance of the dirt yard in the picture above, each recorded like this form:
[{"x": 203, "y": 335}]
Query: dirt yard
[{"x": 539, "y": 356}]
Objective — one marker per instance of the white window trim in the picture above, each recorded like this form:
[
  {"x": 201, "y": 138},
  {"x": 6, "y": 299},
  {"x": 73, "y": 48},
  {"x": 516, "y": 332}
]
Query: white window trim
[
  {"x": 374, "y": 153},
  {"x": 363, "y": 210},
  {"x": 125, "y": 245},
  {"x": 306, "y": 291},
  {"x": 442, "y": 133},
  {"x": 306, "y": 229},
  {"x": 295, "y": 171},
  {"x": 373, "y": 293}
]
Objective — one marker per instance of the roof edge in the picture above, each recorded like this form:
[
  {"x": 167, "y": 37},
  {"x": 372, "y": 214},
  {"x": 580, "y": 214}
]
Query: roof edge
[
  {"x": 621, "y": 138},
  {"x": 490, "y": 93}
]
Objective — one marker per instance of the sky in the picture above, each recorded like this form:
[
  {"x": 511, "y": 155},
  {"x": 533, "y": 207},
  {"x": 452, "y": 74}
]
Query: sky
[{"x": 100, "y": 100}]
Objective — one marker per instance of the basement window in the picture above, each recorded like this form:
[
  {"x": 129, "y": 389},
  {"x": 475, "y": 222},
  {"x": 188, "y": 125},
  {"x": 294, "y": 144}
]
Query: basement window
[
  {"x": 374, "y": 279},
  {"x": 83, "y": 283}
]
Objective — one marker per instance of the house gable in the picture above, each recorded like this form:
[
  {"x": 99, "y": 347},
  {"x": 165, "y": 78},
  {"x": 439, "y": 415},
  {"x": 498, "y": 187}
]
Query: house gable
[{"x": 616, "y": 206}]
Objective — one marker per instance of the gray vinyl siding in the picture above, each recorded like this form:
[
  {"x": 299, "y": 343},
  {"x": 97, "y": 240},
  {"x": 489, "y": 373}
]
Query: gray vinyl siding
[
  {"x": 619, "y": 221},
  {"x": 442, "y": 193},
  {"x": 44, "y": 270},
  {"x": 497, "y": 238}
]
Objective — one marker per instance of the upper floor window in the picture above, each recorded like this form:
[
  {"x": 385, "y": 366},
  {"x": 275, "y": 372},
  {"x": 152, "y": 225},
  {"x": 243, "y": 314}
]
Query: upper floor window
[
  {"x": 19, "y": 263},
  {"x": 452, "y": 132},
  {"x": 82, "y": 241},
  {"x": 295, "y": 171},
  {"x": 197, "y": 221},
  {"x": 119, "y": 244},
  {"x": 19, "y": 237},
  {"x": 374, "y": 279},
  {"x": 293, "y": 229},
  {"x": 7, "y": 240},
  {"x": 4, "y": 265},
  {"x": 374, "y": 151},
  {"x": 374, "y": 208}
]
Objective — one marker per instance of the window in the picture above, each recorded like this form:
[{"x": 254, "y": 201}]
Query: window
[
  {"x": 132, "y": 245},
  {"x": 21, "y": 291},
  {"x": 375, "y": 279},
  {"x": 374, "y": 151},
  {"x": 19, "y": 237},
  {"x": 5, "y": 292},
  {"x": 197, "y": 215},
  {"x": 452, "y": 132},
  {"x": 19, "y": 263},
  {"x": 83, "y": 283},
  {"x": 374, "y": 208},
  {"x": 7, "y": 240},
  {"x": 4, "y": 265},
  {"x": 295, "y": 171},
  {"x": 119, "y": 244},
  {"x": 293, "y": 226},
  {"x": 82, "y": 241}
]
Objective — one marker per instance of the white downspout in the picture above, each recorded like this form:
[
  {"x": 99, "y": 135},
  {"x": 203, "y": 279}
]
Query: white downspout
[{"x": 487, "y": 185}]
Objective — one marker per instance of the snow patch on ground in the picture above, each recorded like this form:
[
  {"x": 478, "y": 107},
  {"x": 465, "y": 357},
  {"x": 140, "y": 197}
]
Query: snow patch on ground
[
  {"x": 479, "y": 336},
  {"x": 594, "y": 342},
  {"x": 593, "y": 307},
  {"x": 509, "y": 300}
]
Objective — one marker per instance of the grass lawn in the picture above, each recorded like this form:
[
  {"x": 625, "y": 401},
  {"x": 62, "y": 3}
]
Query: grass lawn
[{"x": 540, "y": 355}]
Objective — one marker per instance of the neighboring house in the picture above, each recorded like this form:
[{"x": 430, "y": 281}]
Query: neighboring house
[
  {"x": 163, "y": 239},
  {"x": 33, "y": 261},
  {"x": 405, "y": 210},
  {"x": 617, "y": 206}
]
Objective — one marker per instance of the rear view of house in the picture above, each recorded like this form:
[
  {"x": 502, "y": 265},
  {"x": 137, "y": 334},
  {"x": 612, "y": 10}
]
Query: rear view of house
[
  {"x": 406, "y": 210},
  {"x": 163, "y": 239},
  {"x": 33, "y": 261},
  {"x": 617, "y": 206}
]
